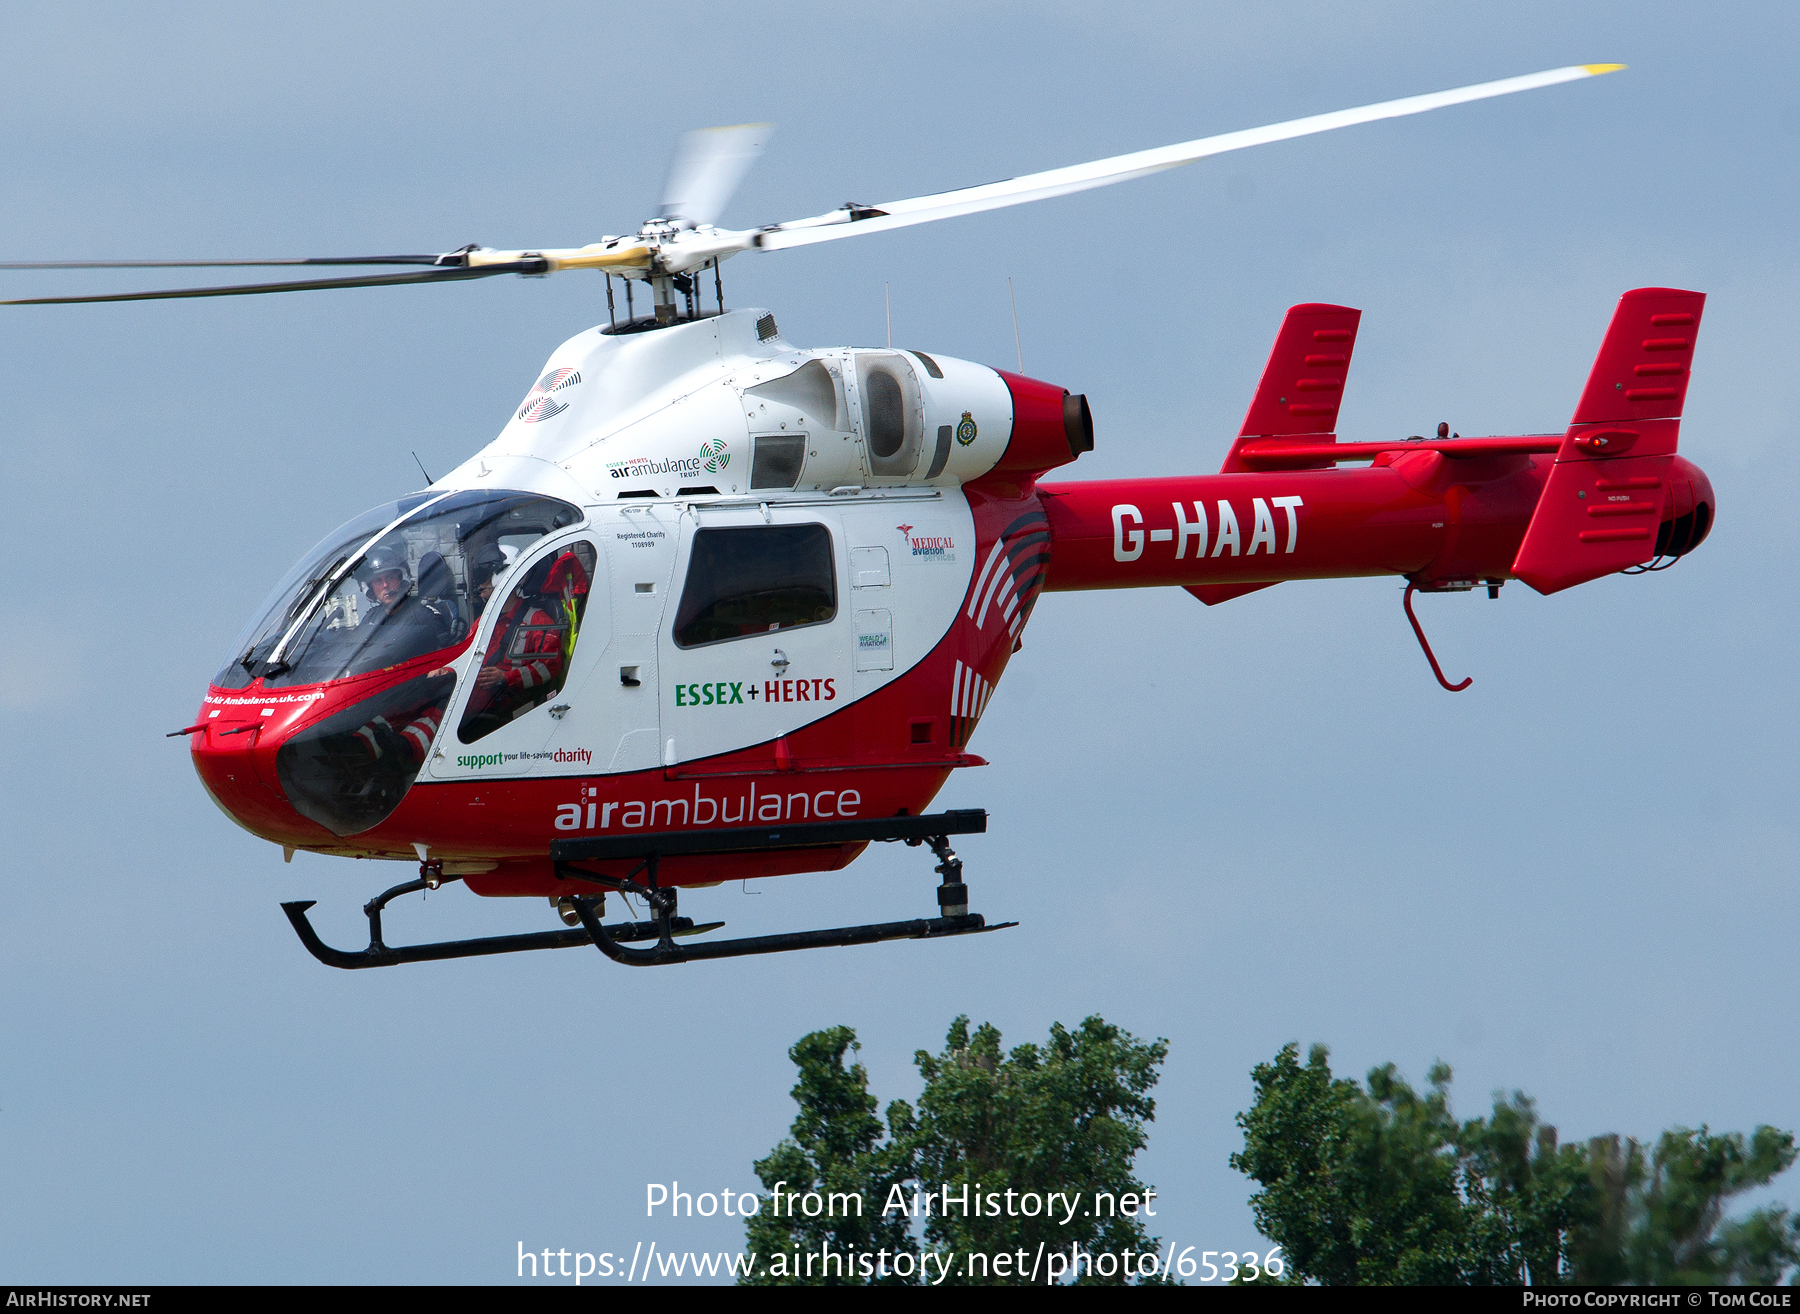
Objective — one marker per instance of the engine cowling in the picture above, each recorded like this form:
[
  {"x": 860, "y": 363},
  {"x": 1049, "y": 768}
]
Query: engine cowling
[{"x": 1051, "y": 426}]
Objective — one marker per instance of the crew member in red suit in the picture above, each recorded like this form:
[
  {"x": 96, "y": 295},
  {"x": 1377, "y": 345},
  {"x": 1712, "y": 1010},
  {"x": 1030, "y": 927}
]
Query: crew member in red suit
[
  {"x": 533, "y": 639},
  {"x": 413, "y": 742}
]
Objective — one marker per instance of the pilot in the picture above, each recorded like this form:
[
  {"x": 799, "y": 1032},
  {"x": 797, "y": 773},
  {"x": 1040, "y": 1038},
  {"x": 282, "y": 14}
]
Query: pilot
[{"x": 401, "y": 625}]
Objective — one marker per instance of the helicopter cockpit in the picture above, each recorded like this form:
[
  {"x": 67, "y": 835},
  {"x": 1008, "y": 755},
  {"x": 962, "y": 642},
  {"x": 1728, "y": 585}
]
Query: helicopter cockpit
[
  {"x": 339, "y": 613},
  {"x": 405, "y": 581}
]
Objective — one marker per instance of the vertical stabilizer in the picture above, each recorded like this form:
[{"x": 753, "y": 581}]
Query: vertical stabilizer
[
  {"x": 1641, "y": 372},
  {"x": 1604, "y": 501},
  {"x": 1303, "y": 383}
]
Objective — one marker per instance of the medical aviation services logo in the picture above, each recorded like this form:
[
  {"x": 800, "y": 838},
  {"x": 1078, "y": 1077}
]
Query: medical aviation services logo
[
  {"x": 965, "y": 432},
  {"x": 539, "y": 404},
  {"x": 928, "y": 547},
  {"x": 715, "y": 456}
]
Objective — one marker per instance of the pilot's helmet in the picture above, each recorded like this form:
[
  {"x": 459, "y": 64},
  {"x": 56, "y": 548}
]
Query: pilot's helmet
[
  {"x": 485, "y": 567},
  {"x": 381, "y": 559}
]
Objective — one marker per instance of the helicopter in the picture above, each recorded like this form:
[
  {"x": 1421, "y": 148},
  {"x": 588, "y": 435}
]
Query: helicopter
[{"x": 714, "y": 606}]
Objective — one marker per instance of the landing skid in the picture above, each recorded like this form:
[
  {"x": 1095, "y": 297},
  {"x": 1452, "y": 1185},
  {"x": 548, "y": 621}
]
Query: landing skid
[
  {"x": 380, "y": 955},
  {"x": 665, "y": 927}
]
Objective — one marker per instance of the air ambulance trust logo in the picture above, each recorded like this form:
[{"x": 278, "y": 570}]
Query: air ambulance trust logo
[
  {"x": 965, "y": 432},
  {"x": 715, "y": 456},
  {"x": 539, "y": 404}
]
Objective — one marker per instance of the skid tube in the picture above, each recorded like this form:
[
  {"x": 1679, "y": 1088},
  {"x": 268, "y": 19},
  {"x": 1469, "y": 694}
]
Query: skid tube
[
  {"x": 380, "y": 955},
  {"x": 665, "y": 927}
]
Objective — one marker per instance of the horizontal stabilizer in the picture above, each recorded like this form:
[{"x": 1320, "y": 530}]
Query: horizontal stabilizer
[
  {"x": 1303, "y": 383},
  {"x": 1603, "y": 503},
  {"x": 1300, "y": 455}
]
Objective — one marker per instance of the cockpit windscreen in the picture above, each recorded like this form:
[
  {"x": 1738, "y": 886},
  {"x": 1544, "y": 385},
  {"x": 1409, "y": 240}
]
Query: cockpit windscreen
[{"x": 405, "y": 579}]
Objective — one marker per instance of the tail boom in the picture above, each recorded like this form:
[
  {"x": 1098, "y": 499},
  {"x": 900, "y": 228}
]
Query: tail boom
[
  {"x": 1412, "y": 516},
  {"x": 1552, "y": 510}
]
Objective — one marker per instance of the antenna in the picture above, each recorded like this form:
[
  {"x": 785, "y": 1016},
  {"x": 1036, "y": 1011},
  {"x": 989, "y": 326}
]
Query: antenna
[
  {"x": 422, "y": 469},
  {"x": 887, "y": 296},
  {"x": 1017, "y": 346}
]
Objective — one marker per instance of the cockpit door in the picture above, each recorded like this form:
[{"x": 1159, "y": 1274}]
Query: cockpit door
[
  {"x": 536, "y": 632},
  {"x": 613, "y": 725}
]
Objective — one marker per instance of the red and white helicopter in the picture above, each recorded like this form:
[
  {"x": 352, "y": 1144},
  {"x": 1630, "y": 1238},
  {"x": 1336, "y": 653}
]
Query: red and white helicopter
[{"x": 715, "y": 606}]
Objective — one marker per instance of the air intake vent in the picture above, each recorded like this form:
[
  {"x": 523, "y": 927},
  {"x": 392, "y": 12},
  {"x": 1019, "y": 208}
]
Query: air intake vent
[
  {"x": 765, "y": 328},
  {"x": 776, "y": 459}
]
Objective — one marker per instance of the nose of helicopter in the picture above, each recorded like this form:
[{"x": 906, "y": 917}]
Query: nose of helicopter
[
  {"x": 234, "y": 752},
  {"x": 305, "y": 767}
]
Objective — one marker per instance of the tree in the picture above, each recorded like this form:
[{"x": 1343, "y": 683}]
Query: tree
[
  {"x": 1662, "y": 1216},
  {"x": 1065, "y": 1117},
  {"x": 838, "y": 1153},
  {"x": 995, "y": 1134},
  {"x": 1384, "y": 1186}
]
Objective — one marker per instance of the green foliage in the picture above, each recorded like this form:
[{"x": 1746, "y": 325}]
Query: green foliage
[
  {"x": 1528, "y": 1195},
  {"x": 1662, "y": 1215},
  {"x": 1384, "y": 1185},
  {"x": 1067, "y": 1116},
  {"x": 837, "y": 1147}
]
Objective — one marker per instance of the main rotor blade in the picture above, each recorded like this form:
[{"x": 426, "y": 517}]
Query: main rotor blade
[
  {"x": 707, "y": 168},
  {"x": 1100, "y": 173},
  {"x": 447, "y": 275},
  {"x": 221, "y": 264}
]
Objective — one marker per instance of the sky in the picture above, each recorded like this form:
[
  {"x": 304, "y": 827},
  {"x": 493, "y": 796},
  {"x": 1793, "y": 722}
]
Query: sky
[{"x": 1229, "y": 827}]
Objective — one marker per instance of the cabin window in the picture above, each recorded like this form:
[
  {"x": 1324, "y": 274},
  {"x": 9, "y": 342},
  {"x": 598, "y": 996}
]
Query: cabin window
[{"x": 756, "y": 580}]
